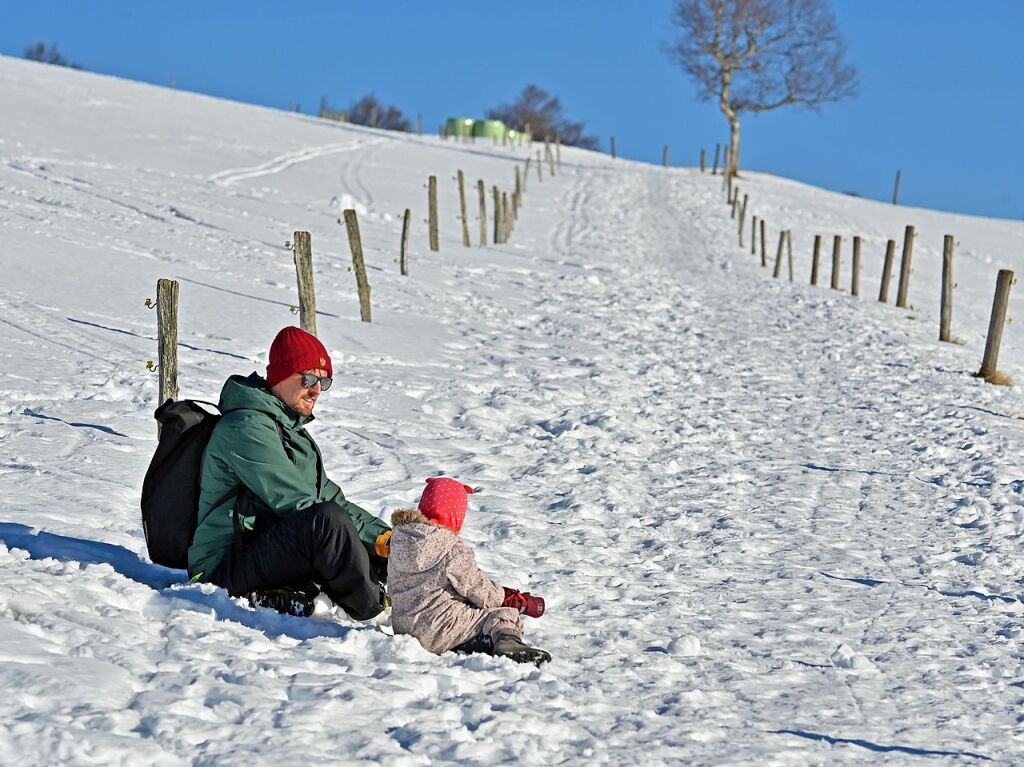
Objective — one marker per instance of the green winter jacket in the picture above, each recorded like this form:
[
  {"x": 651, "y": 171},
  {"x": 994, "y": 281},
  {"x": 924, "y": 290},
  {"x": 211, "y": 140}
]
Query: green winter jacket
[{"x": 261, "y": 444}]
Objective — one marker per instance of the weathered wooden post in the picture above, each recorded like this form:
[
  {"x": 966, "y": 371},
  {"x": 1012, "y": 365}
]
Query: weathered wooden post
[
  {"x": 506, "y": 218},
  {"x": 778, "y": 255},
  {"x": 837, "y": 244},
  {"x": 946, "y": 312},
  {"x": 908, "y": 252},
  {"x": 432, "y": 207},
  {"x": 815, "y": 259},
  {"x": 540, "y": 176},
  {"x": 462, "y": 209},
  {"x": 789, "y": 252},
  {"x": 483, "y": 211},
  {"x": 764, "y": 246},
  {"x": 703, "y": 160},
  {"x": 304, "y": 273},
  {"x": 403, "y": 259},
  {"x": 355, "y": 244},
  {"x": 995, "y": 328},
  {"x": 896, "y": 189},
  {"x": 753, "y": 235},
  {"x": 855, "y": 277},
  {"x": 613, "y": 147},
  {"x": 499, "y": 236},
  {"x": 526, "y": 173},
  {"x": 167, "y": 339},
  {"x": 664, "y": 156},
  {"x": 718, "y": 150},
  {"x": 518, "y": 191},
  {"x": 890, "y": 254},
  {"x": 743, "y": 217}
]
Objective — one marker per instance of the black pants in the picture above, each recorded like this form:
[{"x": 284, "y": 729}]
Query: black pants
[{"x": 317, "y": 544}]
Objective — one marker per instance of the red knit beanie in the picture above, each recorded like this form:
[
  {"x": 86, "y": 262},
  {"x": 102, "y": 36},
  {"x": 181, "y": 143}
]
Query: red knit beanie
[
  {"x": 444, "y": 501},
  {"x": 293, "y": 351}
]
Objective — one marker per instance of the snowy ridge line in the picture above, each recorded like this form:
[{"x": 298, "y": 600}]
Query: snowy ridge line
[{"x": 282, "y": 162}]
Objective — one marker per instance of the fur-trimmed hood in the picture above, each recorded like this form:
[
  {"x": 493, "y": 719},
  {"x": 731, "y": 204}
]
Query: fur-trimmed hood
[
  {"x": 408, "y": 517},
  {"x": 418, "y": 544}
]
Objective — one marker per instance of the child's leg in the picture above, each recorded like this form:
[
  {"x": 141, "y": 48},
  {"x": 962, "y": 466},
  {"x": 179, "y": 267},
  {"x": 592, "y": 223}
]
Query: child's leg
[{"x": 500, "y": 620}]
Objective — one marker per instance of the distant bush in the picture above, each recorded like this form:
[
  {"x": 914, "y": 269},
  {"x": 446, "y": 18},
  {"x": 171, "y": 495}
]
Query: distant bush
[
  {"x": 368, "y": 111},
  {"x": 540, "y": 113},
  {"x": 48, "y": 55}
]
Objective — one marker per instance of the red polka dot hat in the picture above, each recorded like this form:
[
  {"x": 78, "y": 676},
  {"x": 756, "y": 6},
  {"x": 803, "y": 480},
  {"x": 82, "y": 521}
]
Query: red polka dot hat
[{"x": 444, "y": 501}]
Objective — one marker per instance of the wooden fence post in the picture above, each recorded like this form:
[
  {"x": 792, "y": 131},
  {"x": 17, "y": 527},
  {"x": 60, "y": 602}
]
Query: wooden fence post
[
  {"x": 540, "y": 175},
  {"x": 703, "y": 160},
  {"x": 518, "y": 192},
  {"x": 855, "y": 277},
  {"x": 499, "y": 236},
  {"x": 789, "y": 252},
  {"x": 613, "y": 147},
  {"x": 462, "y": 209},
  {"x": 890, "y": 254},
  {"x": 714, "y": 168},
  {"x": 526, "y": 173},
  {"x": 946, "y": 312},
  {"x": 506, "y": 218},
  {"x": 995, "y": 328},
  {"x": 753, "y": 235},
  {"x": 743, "y": 217},
  {"x": 815, "y": 259},
  {"x": 403, "y": 259},
  {"x": 304, "y": 274},
  {"x": 432, "y": 206},
  {"x": 778, "y": 255},
  {"x": 733, "y": 204},
  {"x": 764, "y": 246},
  {"x": 664, "y": 155},
  {"x": 483, "y": 211},
  {"x": 167, "y": 339},
  {"x": 896, "y": 189},
  {"x": 908, "y": 252},
  {"x": 837, "y": 244},
  {"x": 355, "y": 244}
]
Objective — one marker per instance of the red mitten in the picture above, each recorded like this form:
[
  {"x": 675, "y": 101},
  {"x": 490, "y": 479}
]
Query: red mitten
[{"x": 524, "y": 602}]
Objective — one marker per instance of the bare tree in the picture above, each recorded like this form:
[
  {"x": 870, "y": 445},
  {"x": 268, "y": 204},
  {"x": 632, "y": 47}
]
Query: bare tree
[
  {"x": 540, "y": 113},
  {"x": 756, "y": 55},
  {"x": 368, "y": 111},
  {"x": 48, "y": 55}
]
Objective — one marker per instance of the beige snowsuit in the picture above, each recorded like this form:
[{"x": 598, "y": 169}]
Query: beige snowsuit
[{"x": 438, "y": 594}]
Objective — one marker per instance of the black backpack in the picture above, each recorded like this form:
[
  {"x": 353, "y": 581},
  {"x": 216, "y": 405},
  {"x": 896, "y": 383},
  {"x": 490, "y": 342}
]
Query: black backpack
[{"x": 170, "y": 491}]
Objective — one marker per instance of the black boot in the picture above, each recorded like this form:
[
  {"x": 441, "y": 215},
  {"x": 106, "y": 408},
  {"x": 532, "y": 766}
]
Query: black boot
[
  {"x": 510, "y": 645},
  {"x": 291, "y": 600}
]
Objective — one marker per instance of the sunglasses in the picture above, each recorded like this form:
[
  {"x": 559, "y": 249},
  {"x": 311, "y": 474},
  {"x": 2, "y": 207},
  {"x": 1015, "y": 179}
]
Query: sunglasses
[{"x": 309, "y": 381}]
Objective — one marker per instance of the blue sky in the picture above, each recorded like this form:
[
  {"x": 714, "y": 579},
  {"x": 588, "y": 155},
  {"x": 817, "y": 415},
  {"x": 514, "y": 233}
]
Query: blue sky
[{"x": 941, "y": 80}]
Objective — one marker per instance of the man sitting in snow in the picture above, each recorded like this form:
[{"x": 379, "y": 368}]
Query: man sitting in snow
[{"x": 272, "y": 526}]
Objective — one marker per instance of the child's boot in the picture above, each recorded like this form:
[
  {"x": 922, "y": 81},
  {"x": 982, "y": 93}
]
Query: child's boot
[{"x": 510, "y": 645}]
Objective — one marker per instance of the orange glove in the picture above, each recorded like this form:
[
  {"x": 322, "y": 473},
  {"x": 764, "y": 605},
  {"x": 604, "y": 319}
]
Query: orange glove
[{"x": 382, "y": 546}]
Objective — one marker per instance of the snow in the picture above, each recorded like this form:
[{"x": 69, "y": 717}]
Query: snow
[{"x": 774, "y": 524}]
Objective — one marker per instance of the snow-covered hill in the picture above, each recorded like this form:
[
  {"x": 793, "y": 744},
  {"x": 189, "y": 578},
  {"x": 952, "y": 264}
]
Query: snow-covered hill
[{"x": 773, "y": 524}]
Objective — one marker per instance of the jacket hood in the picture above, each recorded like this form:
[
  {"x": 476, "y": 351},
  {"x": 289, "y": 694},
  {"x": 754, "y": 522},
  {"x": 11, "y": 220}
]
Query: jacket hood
[
  {"x": 418, "y": 544},
  {"x": 251, "y": 393}
]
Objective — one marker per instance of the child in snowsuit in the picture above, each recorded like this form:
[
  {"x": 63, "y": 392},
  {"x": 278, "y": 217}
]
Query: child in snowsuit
[{"x": 439, "y": 595}]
